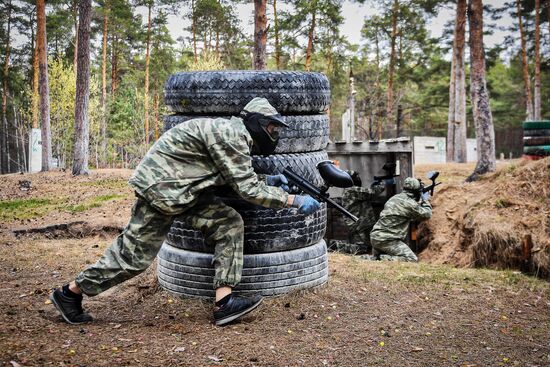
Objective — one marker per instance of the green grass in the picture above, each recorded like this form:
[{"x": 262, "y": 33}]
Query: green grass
[
  {"x": 108, "y": 183},
  {"x": 94, "y": 202},
  {"x": 22, "y": 209},
  {"x": 25, "y": 208}
]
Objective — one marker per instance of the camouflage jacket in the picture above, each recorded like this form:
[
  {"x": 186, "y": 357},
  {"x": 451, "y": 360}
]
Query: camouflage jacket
[
  {"x": 357, "y": 200},
  {"x": 396, "y": 216},
  {"x": 197, "y": 155}
]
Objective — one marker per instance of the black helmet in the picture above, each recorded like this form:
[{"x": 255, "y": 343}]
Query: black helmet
[{"x": 257, "y": 115}]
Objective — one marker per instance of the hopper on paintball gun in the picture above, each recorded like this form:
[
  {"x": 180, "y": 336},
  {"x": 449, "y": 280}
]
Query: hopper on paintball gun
[
  {"x": 432, "y": 175},
  {"x": 332, "y": 176}
]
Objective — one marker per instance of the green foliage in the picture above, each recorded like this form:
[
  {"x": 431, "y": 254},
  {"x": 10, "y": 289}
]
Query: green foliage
[
  {"x": 94, "y": 202},
  {"x": 24, "y": 208}
]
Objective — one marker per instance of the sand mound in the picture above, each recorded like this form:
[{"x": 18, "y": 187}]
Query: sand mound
[{"x": 501, "y": 221}]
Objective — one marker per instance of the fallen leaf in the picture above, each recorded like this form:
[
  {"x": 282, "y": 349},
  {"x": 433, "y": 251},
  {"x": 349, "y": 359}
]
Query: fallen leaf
[
  {"x": 15, "y": 364},
  {"x": 417, "y": 349},
  {"x": 215, "y": 359},
  {"x": 381, "y": 344},
  {"x": 179, "y": 349},
  {"x": 48, "y": 302},
  {"x": 117, "y": 326}
]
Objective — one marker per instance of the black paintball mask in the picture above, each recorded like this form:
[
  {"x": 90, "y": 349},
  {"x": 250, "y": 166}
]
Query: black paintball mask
[{"x": 265, "y": 141}]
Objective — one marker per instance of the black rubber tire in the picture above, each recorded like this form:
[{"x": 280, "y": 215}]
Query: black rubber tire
[
  {"x": 536, "y": 132},
  {"x": 306, "y": 133},
  {"x": 190, "y": 274},
  {"x": 536, "y": 140},
  {"x": 227, "y": 92},
  {"x": 303, "y": 164},
  {"x": 543, "y": 150},
  {"x": 543, "y": 124},
  {"x": 265, "y": 230}
]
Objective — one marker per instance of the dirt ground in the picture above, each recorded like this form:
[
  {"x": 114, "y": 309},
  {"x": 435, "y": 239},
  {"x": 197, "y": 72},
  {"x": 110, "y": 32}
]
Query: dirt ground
[{"x": 369, "y": 313}]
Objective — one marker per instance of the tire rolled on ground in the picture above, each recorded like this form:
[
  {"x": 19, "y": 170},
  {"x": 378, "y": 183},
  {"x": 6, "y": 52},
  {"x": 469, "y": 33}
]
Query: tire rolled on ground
[
  {"x": 536, "y": 132},
  {"x": 306, "y": 133},
  {"x": 536, "y": 140},
  {"x": 540, "y": 150},
  {"x": 190, "y": 274},
  {"x": 531, "y": 125},
  {"x": 227, "y": 92},
  {"x": 265, "y": 230}
]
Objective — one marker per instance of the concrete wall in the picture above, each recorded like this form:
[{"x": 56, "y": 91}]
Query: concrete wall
[{"x": 431, "y": 149}]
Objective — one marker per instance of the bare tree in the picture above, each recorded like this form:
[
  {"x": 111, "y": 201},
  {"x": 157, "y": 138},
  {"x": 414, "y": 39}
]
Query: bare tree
[
  {"x": 456, "y": 132},
  {"x": 106, "y": 10},
  {"x": 81, "y": 134},
  {"x": 536, "y": 114},
  {"x": 483, "y": 119},
  {"x": 44, "y": 88},
  {"x": 526, "y": 82},
  {"x": 147, "y": 62},
  {"x": 5, "y": 151},
  {"x": 391, "y": 71},
  {"x": 260, "y": 34},
  {"x": 276, "y": 31},
  {"x": 311, "y": 34}
]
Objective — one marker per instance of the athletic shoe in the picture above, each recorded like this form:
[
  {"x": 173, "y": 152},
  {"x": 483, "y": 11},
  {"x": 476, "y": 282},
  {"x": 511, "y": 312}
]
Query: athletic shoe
[{"x": 235, "y": 308}]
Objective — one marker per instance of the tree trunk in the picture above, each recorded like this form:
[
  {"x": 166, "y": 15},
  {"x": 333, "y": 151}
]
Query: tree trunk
[
  {"x": 35, "y": 75},
  {"x": 526, "y": 82},
  {"x": 311, "y": 34},
  {"x": 44, "y": 86},
  {"x": 260, "y": 34},
  {"x": 485, "y": 133},
  {"x": 5, "y": 151},
  {"x": 75, "y": 19},
  {"x": 276, "y": 30},
  {"x": 194, "y": 30},
  {"x": 391, "y": 71},
  {"x": 537, "y": 114},
  {"x": 103, "y": 153},
  {"x": 81, "y": 134},
  {"x": 456, "y": 131},
  {"x": 114, "y": 67},
  {"x": 156, "y": 109},
  {"x": 146, "y": 89}
]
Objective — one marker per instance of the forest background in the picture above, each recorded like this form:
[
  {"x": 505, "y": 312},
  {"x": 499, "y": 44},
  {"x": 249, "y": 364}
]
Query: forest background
[{"x": 133, "y": 51}]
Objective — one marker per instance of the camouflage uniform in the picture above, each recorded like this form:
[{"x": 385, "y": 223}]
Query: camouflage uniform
[
  {"x": 358, "y": 200},
  {"x": 390, "y": 231},
  {"x": 173, "y": 179}
]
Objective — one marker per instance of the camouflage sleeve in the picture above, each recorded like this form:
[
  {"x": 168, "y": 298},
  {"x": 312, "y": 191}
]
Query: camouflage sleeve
[
  {"x": 364, "y": 193},
  {"x": 235, "y": 165},
  {"x": 422, "y": 211}
]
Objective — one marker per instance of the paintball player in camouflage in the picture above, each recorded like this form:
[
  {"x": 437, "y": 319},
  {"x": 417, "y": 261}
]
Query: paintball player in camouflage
[
  {"x": 389, "y": 233},
  {"x": 358, "y": 200},
  {"x": 176, "y": 177}
]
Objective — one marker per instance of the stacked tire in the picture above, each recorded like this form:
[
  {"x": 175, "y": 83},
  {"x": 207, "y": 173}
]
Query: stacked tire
[
  {"x": 536, "y": 139},
  {"x": 283, "y": 250}
]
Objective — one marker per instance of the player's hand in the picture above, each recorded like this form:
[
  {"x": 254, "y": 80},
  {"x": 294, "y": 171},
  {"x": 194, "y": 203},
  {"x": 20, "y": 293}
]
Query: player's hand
[
  {"x": 279, "y": 181},
  {"x": 306, "y": 204}
]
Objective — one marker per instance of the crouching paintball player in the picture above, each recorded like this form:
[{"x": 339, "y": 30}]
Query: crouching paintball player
[
  {"x": 175, "y": 178},
  {"x": 358, "y": 200},
  {"x": 390, "y": 231}
]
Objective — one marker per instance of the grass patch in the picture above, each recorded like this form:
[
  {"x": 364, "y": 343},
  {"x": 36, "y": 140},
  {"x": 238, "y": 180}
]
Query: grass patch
[
  {"x": 503, "y": 203},
  {"x": 25, "y": 208},
  {"x": 94, "y": 202},
  {"x": 109, "y": 183}
]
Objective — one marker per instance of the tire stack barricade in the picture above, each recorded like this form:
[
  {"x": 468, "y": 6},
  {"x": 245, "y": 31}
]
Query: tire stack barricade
[
  {"x": 536, "y": 139},
  {"x": 283, "y": 250}
]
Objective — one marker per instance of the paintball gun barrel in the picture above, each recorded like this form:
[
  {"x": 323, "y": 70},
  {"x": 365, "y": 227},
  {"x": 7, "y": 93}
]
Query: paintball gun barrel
[{"x": 332, "y": 176}]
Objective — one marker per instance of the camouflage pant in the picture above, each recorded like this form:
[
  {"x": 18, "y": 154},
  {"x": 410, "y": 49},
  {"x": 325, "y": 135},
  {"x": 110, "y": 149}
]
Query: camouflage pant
[
  {"x": 393, "y": 251},
  {"x": 137, "y": 246},
  {"x": 360, "y": 230}
]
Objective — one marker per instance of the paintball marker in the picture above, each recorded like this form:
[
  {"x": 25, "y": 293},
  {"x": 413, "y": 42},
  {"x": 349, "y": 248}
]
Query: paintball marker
[
  {"x": 332, "y": 176},
  {"x": 390, "y": 170},
  {"x": 432, "y": 175}
]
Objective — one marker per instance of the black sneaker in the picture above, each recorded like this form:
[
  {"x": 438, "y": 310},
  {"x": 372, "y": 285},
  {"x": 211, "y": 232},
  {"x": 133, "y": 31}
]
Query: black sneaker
[
  {"x": 70, "y": 308},
  {"x": 235, "y": 308}
]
